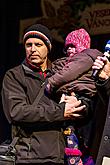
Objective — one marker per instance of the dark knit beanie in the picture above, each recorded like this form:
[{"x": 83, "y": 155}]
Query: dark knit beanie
[{"x": 39, "y": 31}]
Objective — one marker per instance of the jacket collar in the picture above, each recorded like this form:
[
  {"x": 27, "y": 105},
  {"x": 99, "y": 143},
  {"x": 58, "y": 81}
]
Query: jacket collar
[{"x": 30, "y": 70}]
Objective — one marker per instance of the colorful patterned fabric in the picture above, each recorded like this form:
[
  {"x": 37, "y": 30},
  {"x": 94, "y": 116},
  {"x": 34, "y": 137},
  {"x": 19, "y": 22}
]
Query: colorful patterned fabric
[
  {"x": 74, "y": 155},
  {"x": 80, "y": 39},
  {"x": 88, "y": 160}
]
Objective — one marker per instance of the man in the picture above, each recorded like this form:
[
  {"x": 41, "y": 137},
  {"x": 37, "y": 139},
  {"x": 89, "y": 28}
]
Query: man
[
  {"x": 101, "y": 142},
  {"x": 38, "y": 121}
]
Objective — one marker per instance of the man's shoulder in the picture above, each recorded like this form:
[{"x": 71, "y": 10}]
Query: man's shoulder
[{"x": 16, "y": 69}]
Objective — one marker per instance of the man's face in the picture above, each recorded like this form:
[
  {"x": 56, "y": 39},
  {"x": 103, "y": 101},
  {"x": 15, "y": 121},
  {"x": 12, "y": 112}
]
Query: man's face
[{"x": 36, "y": 51}]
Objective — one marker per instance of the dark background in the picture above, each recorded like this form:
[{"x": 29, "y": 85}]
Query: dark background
[
  {"x": 11, "y": 52},
  {"x": 11, "y": 13}
]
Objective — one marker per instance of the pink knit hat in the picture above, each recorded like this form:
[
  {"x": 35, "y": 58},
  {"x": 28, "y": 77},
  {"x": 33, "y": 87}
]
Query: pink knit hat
[{"x": 78, "y": 38}]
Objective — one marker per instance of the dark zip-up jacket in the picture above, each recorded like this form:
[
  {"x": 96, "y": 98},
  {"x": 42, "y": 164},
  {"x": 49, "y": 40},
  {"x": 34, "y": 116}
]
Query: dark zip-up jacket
[
  {"x": 101, "y": 133},
  {"x": 40, "y": 125}
]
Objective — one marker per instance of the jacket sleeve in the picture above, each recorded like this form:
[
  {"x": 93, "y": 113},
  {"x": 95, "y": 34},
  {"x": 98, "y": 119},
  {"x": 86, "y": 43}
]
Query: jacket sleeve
[
  {"x": 103, "y": 88},
  {"x": 17, "y": 108},
  {"x": 72, "y": 70}
]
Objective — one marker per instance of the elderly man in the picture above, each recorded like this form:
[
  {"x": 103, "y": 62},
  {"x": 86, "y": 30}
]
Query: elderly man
[{"x": 36, "y": 118}]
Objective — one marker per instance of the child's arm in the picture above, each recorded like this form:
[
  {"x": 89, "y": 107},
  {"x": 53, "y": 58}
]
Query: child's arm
[
  {"x": 72, "y": 70},
  {"x": 76, "y": 67}
]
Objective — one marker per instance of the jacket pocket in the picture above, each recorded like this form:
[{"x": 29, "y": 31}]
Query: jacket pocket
[
  {"x": 43, "y": 145},
  {"x": 48, "y": 144}
]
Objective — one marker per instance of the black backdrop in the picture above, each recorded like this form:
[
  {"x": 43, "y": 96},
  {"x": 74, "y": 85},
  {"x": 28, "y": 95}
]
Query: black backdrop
[{"x": 11, "y": 13}]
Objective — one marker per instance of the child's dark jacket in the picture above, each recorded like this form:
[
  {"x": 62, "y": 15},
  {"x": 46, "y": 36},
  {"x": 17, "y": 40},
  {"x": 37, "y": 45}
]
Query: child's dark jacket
[{"x": 75, "y": 73}]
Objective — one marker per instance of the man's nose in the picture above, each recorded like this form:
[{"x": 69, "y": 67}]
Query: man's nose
[{"x": 33, "y": 47}]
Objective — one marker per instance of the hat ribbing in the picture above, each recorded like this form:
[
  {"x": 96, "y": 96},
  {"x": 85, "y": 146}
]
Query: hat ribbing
[{"x": 39, "y": 31}]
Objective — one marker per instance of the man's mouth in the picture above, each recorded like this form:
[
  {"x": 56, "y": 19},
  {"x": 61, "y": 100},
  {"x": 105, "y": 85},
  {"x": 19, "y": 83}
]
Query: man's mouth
[{"x": 34, "y": 56}]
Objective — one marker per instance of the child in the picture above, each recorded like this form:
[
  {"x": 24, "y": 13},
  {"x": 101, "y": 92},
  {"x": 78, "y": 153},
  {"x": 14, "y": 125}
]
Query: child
[{"x": 73, "y": 74}]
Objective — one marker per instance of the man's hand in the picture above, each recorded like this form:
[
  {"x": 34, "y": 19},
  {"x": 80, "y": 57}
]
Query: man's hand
[
  {"x": 66, "y": 98},
  {"x": 104, "y": 64},
  {"x": 73, "y": 107}
]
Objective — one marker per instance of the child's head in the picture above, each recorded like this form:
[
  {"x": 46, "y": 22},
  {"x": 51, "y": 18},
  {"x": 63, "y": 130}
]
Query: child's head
[{"x": 77, "y": 41}]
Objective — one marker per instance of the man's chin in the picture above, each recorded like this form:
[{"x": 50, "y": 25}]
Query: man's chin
[{"x": 36, "y": 63}]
